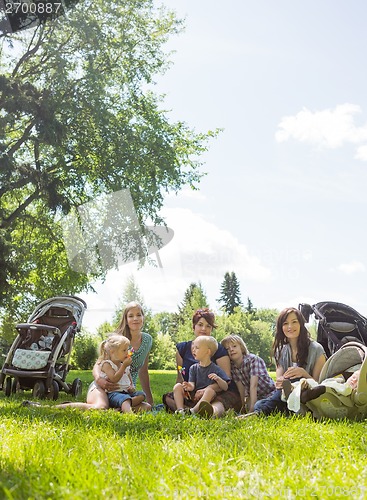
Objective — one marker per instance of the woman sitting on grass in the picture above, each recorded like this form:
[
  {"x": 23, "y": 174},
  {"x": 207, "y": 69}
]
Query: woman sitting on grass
[
  {"x": 130, "y": 326},
  {"x": 203, "y": 322},
  {"x": 204, "y": 375},
  {"x": 296, "y": 357},
  {"x": 249, "y": 372}
]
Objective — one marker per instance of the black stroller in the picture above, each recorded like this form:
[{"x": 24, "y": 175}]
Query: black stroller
[
  {"x": 336, "y": 324},
  {"x": 39, "y": 356}
]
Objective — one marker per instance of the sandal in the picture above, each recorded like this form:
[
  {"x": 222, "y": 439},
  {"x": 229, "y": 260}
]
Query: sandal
[{"x": 26, "y": 402}]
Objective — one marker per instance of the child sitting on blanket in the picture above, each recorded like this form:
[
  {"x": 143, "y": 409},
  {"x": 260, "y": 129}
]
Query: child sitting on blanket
[{"x": 202, "y": 375}]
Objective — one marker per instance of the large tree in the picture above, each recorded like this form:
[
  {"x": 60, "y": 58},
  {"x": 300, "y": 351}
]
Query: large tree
[
  {"x": 230, "y": 296},
  {"x": 78, "y": 118}
]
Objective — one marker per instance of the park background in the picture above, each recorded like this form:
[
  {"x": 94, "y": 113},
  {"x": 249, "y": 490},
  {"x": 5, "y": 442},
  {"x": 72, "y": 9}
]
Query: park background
[{"x": 274, "y": 97}]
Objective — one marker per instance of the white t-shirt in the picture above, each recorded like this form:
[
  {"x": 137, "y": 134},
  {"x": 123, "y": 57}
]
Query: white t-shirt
[{"x": 124, "y": 382}]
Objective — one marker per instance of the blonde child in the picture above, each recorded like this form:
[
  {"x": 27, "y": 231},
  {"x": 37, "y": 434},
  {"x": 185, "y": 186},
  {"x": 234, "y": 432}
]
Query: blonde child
[
  {"x": 202, "y": 375},
  {"x": 115, "y": 361},
  {"x": 249, "y": 372}
]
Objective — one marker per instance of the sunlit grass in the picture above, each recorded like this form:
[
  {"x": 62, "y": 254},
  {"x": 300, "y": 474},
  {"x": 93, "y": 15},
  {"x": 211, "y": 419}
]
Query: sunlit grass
[{"x": 70, "y": 454}]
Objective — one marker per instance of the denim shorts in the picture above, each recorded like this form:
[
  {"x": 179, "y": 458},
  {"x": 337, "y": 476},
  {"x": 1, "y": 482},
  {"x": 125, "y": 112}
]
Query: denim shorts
[{"x": 117, "y": 398}]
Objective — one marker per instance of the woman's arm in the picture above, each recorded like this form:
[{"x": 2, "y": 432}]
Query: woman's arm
[
  {"x": 144, "y": 380},
  {"x": 103, "y": 383},
  {"x": 279, "y": 376},
  {"x": 298, "y": 372},
  {"x": 225, "y": 363}
]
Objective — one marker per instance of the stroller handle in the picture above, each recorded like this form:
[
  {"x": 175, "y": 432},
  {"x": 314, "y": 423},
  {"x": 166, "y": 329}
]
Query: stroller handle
[{"x": 38, "y": 326}]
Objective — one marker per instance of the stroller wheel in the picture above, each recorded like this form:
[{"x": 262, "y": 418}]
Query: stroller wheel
[
  {"x": 15, "y": 386},
  {"x": 8, "y": 386},
  {"x": 39, "y": 390},
  {"x": 54, "y": 391},
  {"x": 76, "y": 387}
]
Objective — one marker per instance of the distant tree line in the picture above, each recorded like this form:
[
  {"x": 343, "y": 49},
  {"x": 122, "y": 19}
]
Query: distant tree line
[{"x": 255, "y": 326}]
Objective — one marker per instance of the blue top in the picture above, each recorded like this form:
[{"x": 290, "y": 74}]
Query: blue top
[
  {"x": 184, "y": 350},
  {"x": 199, "y": 375}
]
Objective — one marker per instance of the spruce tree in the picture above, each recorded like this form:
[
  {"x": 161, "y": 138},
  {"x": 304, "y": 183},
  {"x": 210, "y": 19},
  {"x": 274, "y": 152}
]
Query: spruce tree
[{"x": 230, "y": 293}]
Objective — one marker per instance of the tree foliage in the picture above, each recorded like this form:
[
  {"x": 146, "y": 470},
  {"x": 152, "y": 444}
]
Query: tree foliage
[
  {"x": 85, "y": 351},
  {"x": 78, "y": 118},
  {"x": 230, "y": 296},
  {"x": 194, "y": 298},
  {"x": 257, "y": 333}
]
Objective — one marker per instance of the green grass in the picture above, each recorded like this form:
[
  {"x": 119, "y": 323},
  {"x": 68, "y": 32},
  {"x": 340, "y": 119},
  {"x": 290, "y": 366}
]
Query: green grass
[{"x": 46, "y": 453}]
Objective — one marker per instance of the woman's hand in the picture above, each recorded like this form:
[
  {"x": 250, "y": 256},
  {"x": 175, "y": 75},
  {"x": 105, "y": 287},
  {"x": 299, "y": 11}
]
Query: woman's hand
[
  {"x": 279, "y": 382},
  {"x": 198, "y": 395},
  {"x": 296, "y": 372},
  {"x": 106, "y": 385}
]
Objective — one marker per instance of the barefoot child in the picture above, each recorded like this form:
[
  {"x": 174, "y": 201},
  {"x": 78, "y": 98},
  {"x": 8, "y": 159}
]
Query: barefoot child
[
  {"x": 202, "y": 375},
  {"x": 115, "y": 364}
]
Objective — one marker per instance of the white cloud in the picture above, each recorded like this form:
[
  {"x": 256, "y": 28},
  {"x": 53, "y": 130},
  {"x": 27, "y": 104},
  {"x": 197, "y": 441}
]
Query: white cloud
[
  {"x": 352, "y": 267},
  {"x": 361, "y": 153},
  {"x": 199, "y": 252},
  {"x": 331, "y": 128}
]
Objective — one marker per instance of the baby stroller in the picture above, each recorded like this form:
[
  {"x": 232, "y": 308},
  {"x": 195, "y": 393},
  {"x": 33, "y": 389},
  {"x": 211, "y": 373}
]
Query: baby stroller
[
  {"x": 337, "y": 324},
  {"x": 39, "y": 356},
  {"x": 348, "y": 359}
]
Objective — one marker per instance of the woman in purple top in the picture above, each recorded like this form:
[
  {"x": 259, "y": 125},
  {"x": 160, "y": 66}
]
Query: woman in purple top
[{"x": 203, "y": 322}]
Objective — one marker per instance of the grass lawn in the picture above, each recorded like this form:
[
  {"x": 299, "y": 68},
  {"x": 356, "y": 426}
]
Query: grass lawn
[{"x": 48, "y": 453}]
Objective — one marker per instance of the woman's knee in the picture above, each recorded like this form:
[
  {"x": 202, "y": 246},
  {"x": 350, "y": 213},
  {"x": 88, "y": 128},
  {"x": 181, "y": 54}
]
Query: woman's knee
[{"x": 98, "y": 400}]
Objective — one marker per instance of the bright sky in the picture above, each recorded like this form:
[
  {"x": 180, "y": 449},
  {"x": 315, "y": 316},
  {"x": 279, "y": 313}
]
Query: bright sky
[{"x": 284, "y": 201}]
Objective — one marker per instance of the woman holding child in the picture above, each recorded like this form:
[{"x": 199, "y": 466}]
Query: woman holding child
[
  {"x": 130, "y": 326},
  {"x": 203, "y": 322}
]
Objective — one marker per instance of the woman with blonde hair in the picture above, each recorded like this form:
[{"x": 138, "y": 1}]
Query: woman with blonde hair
[{"x": 130, "y": 326}]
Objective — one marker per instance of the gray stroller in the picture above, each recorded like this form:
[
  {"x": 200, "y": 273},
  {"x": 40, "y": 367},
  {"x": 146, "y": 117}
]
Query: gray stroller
[
  {"x": 39, "y": 357},
  {"x": 347, "y": 360}
]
